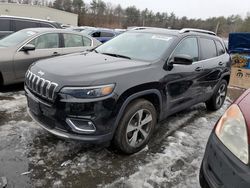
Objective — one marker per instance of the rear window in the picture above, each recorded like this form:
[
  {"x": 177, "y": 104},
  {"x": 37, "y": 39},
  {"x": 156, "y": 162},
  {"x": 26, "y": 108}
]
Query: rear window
[
  {"x": 71, "y": 40},
  {"x": 4, "y": 25},
  {"x": 208, "y": 48},
  {"x": 23, "y": 24}
]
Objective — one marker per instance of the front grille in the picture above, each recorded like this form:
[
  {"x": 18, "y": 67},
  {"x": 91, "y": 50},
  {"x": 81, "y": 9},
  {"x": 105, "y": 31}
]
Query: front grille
[{"x": 40, "y": 86}]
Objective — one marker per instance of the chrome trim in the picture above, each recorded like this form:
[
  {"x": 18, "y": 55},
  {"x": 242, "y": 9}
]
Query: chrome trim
[
  {"x": 79, "y": 130},
  {"x": 34, "y": 82}
]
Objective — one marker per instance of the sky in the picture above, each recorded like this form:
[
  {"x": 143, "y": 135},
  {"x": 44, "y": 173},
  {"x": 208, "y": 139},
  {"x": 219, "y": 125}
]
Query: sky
[{"x": 190, "y": 8}]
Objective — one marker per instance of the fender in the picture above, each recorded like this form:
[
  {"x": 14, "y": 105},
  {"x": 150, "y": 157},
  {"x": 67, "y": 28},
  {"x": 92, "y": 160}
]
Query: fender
[{"x": 135, "y": 96}]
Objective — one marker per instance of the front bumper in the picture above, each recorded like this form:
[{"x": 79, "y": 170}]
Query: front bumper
[
  {"x": 55, "y": 118},
  {"x": 221, "y": 169}
]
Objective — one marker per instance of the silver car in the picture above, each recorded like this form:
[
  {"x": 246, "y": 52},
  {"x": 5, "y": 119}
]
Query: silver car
[{"x": 19, "y": 50}]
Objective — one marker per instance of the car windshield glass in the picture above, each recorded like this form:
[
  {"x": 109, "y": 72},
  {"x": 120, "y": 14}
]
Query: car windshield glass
[
  {"x": 140, "y": 46},
  {"x": 16, "y": 38}
]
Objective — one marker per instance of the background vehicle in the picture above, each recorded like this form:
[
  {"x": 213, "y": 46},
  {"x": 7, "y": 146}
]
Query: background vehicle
[
  {"x": 103, "y": 35},
  {"x": 226, "y": 160},
  {"x": 120, "y": 90},
  {"x": 19, "y": 50},
  {"x": 12, "y": 24}
]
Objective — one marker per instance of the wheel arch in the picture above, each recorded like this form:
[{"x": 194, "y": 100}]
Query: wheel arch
[{"x": 153, "y": 95}]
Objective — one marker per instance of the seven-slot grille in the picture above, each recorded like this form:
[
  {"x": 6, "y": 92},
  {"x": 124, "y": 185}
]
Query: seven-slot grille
[{"x": 40, "y": 86}]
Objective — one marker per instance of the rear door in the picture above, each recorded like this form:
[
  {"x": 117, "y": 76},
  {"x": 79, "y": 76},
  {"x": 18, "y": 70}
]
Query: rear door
[
  {"x": 47, "y": 45},
  {"x": 183, "y": 81},
  {"x": 75, "y": 43},
  {"x": 212, "y": 62}
]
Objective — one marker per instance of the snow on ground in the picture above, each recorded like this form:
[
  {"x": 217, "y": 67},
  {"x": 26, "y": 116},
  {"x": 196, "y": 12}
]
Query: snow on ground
[{"x": 31, "y": 157}]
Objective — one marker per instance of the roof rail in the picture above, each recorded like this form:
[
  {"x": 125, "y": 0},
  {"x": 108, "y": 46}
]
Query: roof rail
[{"x": 185, "y": 30}]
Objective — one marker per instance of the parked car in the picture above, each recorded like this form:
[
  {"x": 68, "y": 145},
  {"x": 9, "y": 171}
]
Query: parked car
[
  {"x": 12, "y": 24},
  {"x": 19, "y": 50},
  {"x": 121, "y": 89},
  {"x": 226, "y": 160},
  {"x": 103, "y": 35}
]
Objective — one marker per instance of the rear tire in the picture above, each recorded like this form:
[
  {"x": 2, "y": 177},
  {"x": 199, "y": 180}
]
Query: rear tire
[
  {"x": 135, "y": 127},
  {"x": 218, "y": 98}
]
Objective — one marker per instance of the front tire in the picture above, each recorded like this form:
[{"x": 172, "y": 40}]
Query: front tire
[
  {"x": 218, "y": 98},
  {"x": 135, "y": 127}
]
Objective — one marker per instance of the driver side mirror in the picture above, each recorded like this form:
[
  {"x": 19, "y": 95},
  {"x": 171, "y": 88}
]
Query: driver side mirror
[
  {"x": 182, "y": 59},
  {"x": 28, "y": 47}
]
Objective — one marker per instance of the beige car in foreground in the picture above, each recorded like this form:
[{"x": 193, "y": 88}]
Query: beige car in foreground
[{"x": 19, "y": 50}]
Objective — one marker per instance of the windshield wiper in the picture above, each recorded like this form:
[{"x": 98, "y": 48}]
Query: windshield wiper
[{"x": 117, "y": 55}]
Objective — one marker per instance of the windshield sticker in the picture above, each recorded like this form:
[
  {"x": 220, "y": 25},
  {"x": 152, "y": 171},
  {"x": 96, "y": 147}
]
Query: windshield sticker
[{"x": 161, "y": 37}]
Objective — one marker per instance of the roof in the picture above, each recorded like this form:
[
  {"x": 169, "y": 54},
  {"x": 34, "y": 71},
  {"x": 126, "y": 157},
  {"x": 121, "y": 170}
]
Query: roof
[
  {"x": 26, "y": 18},
  {"x": 52, "y": 30}
]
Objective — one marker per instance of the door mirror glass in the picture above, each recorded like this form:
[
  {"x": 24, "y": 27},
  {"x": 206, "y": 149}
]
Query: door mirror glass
[{"x": 28, "y": 47}]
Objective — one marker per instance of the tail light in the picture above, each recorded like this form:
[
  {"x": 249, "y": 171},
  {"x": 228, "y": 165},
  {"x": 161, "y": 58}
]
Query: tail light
[{"x": 232, "y": 131}]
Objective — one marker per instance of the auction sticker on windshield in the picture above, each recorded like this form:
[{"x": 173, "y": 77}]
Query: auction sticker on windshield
[{"x": 161, "y": 37}]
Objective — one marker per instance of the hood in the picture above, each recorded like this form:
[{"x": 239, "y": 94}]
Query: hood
[{"x": 84, "y": 68}]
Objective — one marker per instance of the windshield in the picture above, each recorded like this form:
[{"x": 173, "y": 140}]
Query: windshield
[
  {"x": 16, "y": 38},
  {"x": 134, "y": 45}
]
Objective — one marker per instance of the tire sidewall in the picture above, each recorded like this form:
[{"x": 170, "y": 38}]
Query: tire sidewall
[{"x": 121, "y": 133}]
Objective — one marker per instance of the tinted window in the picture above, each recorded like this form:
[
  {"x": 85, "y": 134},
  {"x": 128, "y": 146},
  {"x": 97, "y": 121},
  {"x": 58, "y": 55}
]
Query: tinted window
[
  {"x": 22, "y": 24},
  {"x": 86, "y": 41},
  {"x": 189, "y": 47},
  {"x": 71, "y": 40},
  {"x": 208, "y": 48},
  {"x": 4, "y": 25},
  {"x": 220, "y": 48},
  {"x": 106, "y": 34},
  {"x": 45, "y": 25},
  {"x": 46, "y": 41},
  {"x": 96, "y": 34}
]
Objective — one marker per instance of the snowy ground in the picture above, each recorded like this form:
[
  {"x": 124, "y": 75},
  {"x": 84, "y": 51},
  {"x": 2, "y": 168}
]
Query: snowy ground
[{"x": 30, "y": 157}]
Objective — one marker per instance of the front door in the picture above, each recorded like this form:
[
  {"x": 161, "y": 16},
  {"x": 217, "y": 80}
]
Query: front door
[
  {"x": 183, "y": 81},
  {"x": 46, "y": 45}
]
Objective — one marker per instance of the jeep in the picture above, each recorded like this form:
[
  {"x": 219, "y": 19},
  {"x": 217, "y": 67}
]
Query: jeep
[{"x": 120, "y": 90}]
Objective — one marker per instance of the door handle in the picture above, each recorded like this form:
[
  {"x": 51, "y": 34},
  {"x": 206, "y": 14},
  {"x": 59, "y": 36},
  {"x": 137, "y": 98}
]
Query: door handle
[
  {"x": 199, "y": 69},
  {"x": 220, "y": 63},
  {"x": 55, "y": 54}
]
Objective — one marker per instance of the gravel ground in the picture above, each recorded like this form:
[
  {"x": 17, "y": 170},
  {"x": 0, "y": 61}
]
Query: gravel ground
[{"x": 31, "y": 157}]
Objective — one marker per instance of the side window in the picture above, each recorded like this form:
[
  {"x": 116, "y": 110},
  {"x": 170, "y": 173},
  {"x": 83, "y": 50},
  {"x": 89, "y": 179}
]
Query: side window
[
  {"x": 208, "y": 48},
  {"x": 96, "y": 34},
  {"x": 188, "y": 46},
  {"x": 71, "y": 40},
  {"x": 23, "y": 24},
  {"x": 46, "y": 41},
  {"x": 86, "y": 41},
  {"x": 4, "y": 25},
  {"x": 45, "y": 25},
  {"x": 107, "y": 34},
  {"x": 220, "y": 48}
]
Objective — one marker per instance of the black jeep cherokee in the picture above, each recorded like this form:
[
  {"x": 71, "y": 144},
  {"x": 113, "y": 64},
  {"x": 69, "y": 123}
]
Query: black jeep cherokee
[{"x": 121, "y": 89}]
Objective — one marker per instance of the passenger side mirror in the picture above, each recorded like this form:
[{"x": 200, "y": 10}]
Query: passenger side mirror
[
  {"x": 182, "y": 59},
  {"x": 28, "y": 47}
]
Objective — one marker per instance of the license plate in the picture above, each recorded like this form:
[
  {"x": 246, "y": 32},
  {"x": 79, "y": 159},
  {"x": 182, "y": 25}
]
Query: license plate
[{"x": 34, "y": 106}]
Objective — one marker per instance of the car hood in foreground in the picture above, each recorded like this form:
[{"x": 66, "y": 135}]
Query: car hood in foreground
[{"x": 85, "y": 68}]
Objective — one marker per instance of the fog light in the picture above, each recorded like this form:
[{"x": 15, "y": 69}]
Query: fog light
[{"x": 81, "y": 126}]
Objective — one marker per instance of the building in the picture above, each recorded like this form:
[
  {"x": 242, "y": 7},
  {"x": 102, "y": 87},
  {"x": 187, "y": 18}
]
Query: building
[{"x": 39, "y": 12}]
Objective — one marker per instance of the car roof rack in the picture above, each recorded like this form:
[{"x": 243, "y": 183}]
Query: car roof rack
[{"x": 185, "y": 30}]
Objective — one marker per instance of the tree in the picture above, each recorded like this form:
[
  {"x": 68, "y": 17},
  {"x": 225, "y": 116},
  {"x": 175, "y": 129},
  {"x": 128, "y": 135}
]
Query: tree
[
  {"x": 58, "y": 4},
  {"x": 67, "y": 5}
]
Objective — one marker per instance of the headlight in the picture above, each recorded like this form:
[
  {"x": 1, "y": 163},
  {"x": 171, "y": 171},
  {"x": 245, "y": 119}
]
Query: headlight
[
  {"x": 89, "y": 92},
  {"x": 232, "y": 131}
]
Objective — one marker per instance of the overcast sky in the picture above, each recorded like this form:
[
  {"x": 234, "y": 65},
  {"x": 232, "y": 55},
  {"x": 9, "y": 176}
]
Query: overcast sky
[{"x": 190, "y": 8}]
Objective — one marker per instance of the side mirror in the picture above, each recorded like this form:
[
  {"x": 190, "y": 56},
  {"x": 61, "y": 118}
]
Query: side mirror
[
  {"x": 182, "y": 59},
  {"x": 28, "y": 47}
]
